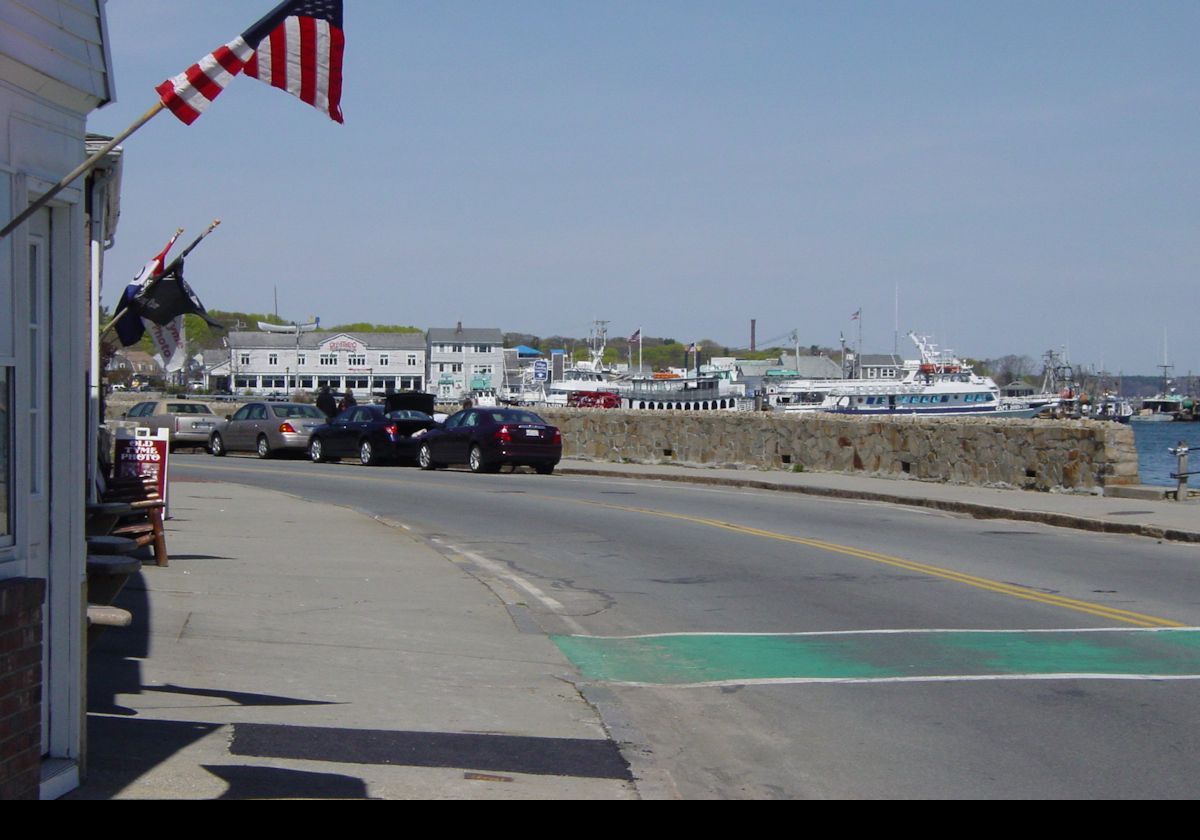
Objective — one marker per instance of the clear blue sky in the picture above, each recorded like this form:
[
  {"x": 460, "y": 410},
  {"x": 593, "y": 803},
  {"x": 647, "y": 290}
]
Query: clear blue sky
[{"x": 1026, "y": 174}]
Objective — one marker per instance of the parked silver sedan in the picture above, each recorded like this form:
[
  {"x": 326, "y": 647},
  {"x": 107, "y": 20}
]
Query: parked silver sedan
[
  {"x": 188, "y": 422},
  {"x": 267, "y": 428}
]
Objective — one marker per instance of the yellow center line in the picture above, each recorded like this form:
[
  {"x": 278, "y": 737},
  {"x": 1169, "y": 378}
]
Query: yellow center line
[
  {"x": 1112, "y": 613},
  {"x": 1012, "y": 590}
]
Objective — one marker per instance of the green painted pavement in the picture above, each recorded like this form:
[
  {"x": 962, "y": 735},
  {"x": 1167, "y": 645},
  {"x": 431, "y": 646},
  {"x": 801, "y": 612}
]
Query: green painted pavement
[{"x": 729, "y": 658}]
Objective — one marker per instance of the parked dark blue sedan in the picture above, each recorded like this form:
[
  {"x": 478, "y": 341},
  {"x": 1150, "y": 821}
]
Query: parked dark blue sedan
[
  {"x": 371, "y": 434},
  {"x": 486, "y": 438}
]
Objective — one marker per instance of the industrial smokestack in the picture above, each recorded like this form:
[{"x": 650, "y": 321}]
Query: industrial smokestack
[{"x": 753, "y": 329}]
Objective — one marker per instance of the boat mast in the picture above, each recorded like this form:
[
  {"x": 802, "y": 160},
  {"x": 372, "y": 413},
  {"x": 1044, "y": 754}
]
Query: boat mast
[
  {"x": 1166, "y": 367},
  {"x": 597, "y": 342}
]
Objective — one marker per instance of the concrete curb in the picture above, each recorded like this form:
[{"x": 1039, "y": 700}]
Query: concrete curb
[{"x": 975, "y": 510}]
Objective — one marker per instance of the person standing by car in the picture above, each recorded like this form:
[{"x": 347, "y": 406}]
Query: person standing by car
[
  {"x": 326, "y": 402},
  {"x": 348, "y": 401}
]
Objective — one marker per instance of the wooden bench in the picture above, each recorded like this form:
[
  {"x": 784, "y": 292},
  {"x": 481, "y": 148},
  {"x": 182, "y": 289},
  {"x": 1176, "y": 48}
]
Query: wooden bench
[
  {"x": 106, "y": 577},
  {"x": 101, "y": 616},
  {"x": 144, "y": 523}
]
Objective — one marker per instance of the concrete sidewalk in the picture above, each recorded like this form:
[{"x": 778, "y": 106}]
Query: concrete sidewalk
[
  {"x": 1141, "y": 511},
  {"x": 301, "y": 650}
]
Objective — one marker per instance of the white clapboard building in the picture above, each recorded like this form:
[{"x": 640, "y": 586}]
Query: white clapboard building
[
  {"x": 263, "y": 363},
  {"x": 54, "y": 71},
  {"x": 465, "y": 360}
]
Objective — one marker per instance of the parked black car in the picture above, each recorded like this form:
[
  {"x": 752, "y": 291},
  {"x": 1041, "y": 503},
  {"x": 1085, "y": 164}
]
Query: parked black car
[
  {"x": 371, "y": 434},
  {"x": 486, "y": 438}
]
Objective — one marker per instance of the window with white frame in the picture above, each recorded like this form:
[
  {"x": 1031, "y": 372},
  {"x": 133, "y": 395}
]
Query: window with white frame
[
  {"x": 412, "y": 359},
  {"x": 244, "y": 359},
  {"x": 329, "y": 360},
  {"x": 273, "y": 359},
  {"x": 383, "y": 359},
  {"x": 357, "y": 360},
  {"x": 301, "y": 360}
]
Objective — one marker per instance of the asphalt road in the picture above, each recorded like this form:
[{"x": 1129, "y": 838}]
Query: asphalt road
[{"x": 758, "y": 644}]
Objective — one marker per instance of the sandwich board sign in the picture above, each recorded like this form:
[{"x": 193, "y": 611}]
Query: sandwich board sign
[{"x": 140, "y": 454}]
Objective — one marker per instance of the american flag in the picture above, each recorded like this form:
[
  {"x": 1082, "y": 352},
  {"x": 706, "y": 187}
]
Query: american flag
[
  {"x": 637, "y": 335},
  {"x": 297, "y": 47}
]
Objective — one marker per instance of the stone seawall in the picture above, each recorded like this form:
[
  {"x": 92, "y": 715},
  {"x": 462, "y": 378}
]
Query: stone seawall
[{"x": 1032, "y": 454}]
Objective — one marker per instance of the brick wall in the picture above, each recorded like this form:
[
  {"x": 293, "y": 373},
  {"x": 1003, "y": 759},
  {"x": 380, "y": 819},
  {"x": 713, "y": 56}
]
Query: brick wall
[{"x": 20, "y": 687}]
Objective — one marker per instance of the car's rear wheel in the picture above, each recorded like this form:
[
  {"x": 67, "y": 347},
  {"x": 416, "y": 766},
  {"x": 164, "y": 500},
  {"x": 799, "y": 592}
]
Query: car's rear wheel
[
  {"x": 366, "y": 454},
  {"x": 425, "y": 457},
  {"x": 316, "y": 451},
  {"x": 544, "y": 469},
  {"x": 476, "y": 461},
  {"x": 216, "y": 446},
  {"x": 264, "y": 447}
]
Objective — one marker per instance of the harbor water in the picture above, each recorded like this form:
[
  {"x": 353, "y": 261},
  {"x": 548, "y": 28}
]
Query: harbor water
[{"x": 1155, "y": 463}]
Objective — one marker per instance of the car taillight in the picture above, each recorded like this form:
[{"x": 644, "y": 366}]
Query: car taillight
[
  {"x": 557, "y": 437},
  {"x": 392, "y": 430},
  {"x": 287, "y": 429},
  {"x": 504, "y": 435}
]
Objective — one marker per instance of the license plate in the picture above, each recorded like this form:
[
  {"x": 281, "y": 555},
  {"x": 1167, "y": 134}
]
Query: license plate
[{"x": 532, "y": 433}]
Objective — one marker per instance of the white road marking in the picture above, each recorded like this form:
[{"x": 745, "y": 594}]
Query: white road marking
[
  {"x": 907, "y": 630},
  {"x": 504, "y": 573},
  {"x": 928, "y": 679}
]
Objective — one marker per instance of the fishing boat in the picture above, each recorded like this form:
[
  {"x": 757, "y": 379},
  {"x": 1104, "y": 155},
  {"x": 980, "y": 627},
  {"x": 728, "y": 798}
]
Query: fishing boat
[
  {"x": 1162, "y": 407},
  {"x": 1110, "y": 406},
  {"x": 1168, "y": 403}
]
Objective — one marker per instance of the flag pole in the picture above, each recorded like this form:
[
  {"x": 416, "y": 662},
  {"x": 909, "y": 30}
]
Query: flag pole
[
  {"x": 171, "y": 266},
  {"x": 82, "y": 169}
]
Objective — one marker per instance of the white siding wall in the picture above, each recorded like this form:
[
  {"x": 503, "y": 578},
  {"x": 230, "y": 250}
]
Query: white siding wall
[
  {"x": 52, "y": 73},
  {"x": 56, "y": 47}
]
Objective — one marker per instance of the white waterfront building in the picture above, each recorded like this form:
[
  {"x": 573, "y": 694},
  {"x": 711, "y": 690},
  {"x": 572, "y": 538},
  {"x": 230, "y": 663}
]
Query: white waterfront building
[
  {"x": 261, "y": 363},
  {"x": 465, "y": 360}
]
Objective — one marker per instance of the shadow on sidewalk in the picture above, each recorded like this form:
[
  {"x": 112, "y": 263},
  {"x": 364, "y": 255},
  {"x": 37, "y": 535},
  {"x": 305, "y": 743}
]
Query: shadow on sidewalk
[{"x": 125, "y": 747}]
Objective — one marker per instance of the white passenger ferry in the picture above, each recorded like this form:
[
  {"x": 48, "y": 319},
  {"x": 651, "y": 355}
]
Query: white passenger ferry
[
  {"x": 940, "y": 385},
  {"x": 686, "y": 391}
]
